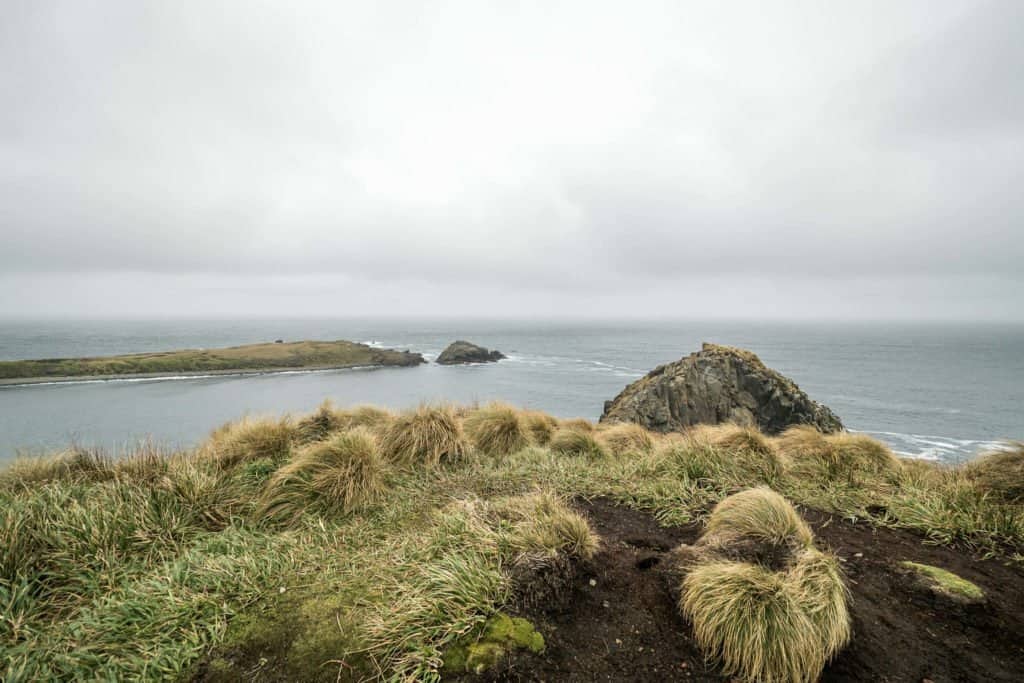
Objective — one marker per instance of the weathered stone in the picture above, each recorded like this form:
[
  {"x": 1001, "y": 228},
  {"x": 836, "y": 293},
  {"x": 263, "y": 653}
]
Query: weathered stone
[
  {"x": 465, "y": 352},
  {"x": 717, "y": 384}
]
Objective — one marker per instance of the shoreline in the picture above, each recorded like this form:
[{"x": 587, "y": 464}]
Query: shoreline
[{"x": 191, "y": 374}]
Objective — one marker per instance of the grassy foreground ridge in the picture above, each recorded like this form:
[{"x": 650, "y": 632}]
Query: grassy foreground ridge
[
  {"x": 360, "y": 544},
  {"x": 271, "y": 356}
]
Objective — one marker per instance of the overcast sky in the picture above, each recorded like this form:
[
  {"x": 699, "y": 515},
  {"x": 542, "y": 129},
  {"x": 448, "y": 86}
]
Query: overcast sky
[{"x": 767, "y": 159}]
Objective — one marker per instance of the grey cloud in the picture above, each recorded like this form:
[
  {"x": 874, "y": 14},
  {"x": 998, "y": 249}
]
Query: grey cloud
[{"x": 553, "y": 148}]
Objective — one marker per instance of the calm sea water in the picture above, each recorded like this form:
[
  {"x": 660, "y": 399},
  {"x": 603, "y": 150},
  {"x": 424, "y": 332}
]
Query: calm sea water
[{"x": 934, "y": 391}]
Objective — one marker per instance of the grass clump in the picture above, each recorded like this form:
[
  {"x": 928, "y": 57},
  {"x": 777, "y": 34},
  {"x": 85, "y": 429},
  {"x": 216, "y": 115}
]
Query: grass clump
[
  {"x": 946, "y": 582},
  {"x": 842, "y": 457},
  {"x": 75, "y": 464},
  {"x": 1000, "y": 474},
  {"x": 338, "y": 475},
  {"x": 763, "y": 625},
  {"x": 570, "y": 441},
  {"x": 250, "y": 439},
  {"x": 543, "y": 523},
  {"x": 540, "y": 426},
  {"x": 497, "y": 429},
  {"x": 319, "y": 424},
  {"x": 626, "y": 437},
  {"x": 429, "y": 435},
  {"x": 762, "y": 514},
  {"x": 771, "y": 610},
  {"x": 577, "y": 423}
]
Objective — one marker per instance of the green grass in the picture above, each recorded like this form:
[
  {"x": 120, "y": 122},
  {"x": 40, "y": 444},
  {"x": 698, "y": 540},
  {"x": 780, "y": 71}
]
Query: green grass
[
  {"x": 302, "y": 354},
  {"x": 140, "y": 568}
]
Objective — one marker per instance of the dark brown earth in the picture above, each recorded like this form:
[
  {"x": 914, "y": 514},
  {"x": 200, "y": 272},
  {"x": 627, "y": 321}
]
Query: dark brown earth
[{"x": 620, "y": 622}]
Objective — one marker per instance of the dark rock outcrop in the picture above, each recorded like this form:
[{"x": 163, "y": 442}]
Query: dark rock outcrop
[
  {"x": 717, "y": 384},
  {"x": 465, "y": 352}
]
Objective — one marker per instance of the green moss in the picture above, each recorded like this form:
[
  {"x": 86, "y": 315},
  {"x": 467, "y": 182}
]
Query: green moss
[
  {"x": 500, "y": 635},
  {"x": 947, "y": 582}
]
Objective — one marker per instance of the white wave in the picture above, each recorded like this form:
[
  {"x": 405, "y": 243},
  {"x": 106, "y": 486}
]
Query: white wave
[{"x": 179, "y": 378}]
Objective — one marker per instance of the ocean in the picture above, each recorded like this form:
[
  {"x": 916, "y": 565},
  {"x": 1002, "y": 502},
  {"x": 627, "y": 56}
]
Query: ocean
[{"x": 938, "y": 391}]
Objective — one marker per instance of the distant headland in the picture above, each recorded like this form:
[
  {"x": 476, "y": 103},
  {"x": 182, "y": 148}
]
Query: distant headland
[{"x": 278, "y": 356}]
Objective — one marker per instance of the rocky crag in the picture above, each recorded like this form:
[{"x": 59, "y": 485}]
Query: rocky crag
[
  {"x": 464, "y": 352},
  {"x": 718, "y": 384}
]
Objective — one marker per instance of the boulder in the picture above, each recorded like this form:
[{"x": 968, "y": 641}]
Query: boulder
[
  {"x": 718, "y": 384},
  {"x": 465, "y": 352}
]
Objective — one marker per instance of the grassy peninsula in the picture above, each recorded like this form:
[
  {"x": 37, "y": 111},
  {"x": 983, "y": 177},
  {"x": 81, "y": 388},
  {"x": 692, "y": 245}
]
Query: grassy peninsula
[
  {"x": 445, "y": 541},
  {"x": 251, "y": 357}
]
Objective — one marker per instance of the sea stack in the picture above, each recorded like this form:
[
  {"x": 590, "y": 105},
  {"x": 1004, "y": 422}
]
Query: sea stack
[
  {"x": 459, "y": 352},
  {"x": 718, "y": 384}
]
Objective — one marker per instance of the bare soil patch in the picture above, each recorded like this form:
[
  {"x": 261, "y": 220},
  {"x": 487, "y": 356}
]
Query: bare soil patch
[{"x": 620, "y": 623}]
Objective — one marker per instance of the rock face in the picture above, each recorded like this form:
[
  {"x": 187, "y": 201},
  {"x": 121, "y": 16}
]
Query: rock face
[
  {"x": 717, "y": 384},
  {"x": 465, "y": 352}
]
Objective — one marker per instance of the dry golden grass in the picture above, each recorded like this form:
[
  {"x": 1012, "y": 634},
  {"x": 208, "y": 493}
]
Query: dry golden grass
[
  {"x": 569, "y": 441},
  {"x": 496, "y": 429},
  {"x": 625, "y": 437},
  {"x": 1000, "y": 475},
  {"x": 731, "y": 437},
  {"x": 338, "y": 475},
  {"x": 804, "y": 442},
  {"x": 428, "y": 435},
  {"x": 540, "y": 426},
  {"x": 860, "y": 455},
  {"x": 73, "y": 464},
  {"x": 768, "y": 626},
  {"x": 853, "y": 458},
  {"x": 776, "y": 616},
  {"x": 319, "y": 424},
  {"x": 372, "y": 417},
  {"x": 250, "y": 439},
  {"x": 577, "y": 423},
  {"x": 762, "y": 514}
]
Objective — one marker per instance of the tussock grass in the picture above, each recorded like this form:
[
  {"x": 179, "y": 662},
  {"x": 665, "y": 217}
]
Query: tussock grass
[
  {"x": 571, "y": 441},
  {"x": 625, "y": 437},
  {"x": 250, "y": 439},
  {"x": 777, "y": 616},
  {"x": 853, "y": 458},
  {"x": 733, "y": 438},
  {"x": 763, "y": 625},
  {"x": 338, "y": 475},
  {"x": 374, "y": 418},
  {"x": 577, "y": 423},
  {"x": 497, "y": 429},
  {"x": 804, "y": 443},
  {"x": 74, "y": 464},
  {"x": 133, "y": 569},
  {"x": 861, "y": 456},
  {"x": 543, "y": 523},
  {"x": 700, "y": 460},
  {"x": 429, "y": 435},
  {"x": 761, "y": 514},
  {"x": 540, "y": 426},
  {"x": 319, "y": 424},
  {"x": 1000, "y": 475}
]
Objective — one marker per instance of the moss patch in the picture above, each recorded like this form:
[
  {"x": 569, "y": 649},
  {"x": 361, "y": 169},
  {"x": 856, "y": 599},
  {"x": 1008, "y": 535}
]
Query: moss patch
[
  {"x": 500, "y": 635},
  {"x": 946, "y": 582}
]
